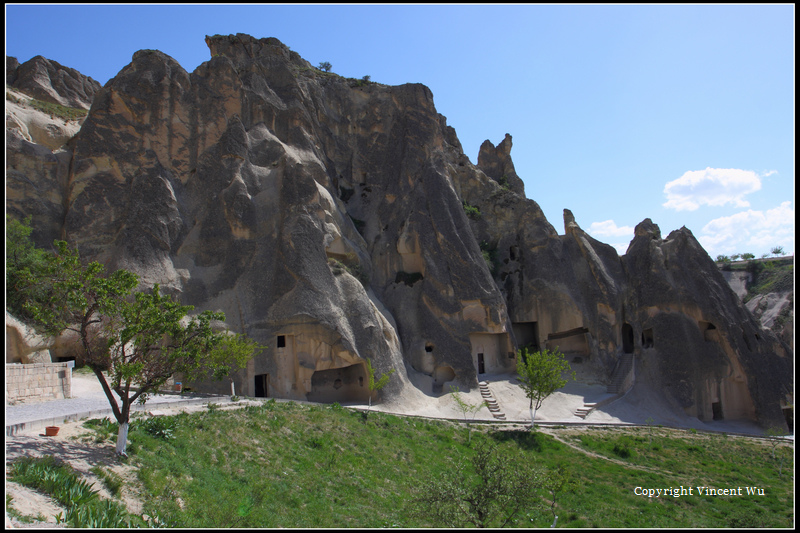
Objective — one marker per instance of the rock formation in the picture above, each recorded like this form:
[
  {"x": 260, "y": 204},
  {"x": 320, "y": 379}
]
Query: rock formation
[
  {"x": 49, "y": 81},
  {"x": 337, "y": 220}
]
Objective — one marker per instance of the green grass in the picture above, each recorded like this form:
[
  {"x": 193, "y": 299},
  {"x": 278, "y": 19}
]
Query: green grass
[
  {"x": 292, "y": 465},
  {"x": 674, "y": 459},
  {"x": 54, "y": 110},
  {"x": 775, "y": 279},
  {"x": 83, "y": 506}
]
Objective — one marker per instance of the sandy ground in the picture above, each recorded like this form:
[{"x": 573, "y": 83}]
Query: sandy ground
[{"x": 75, "y": 446}]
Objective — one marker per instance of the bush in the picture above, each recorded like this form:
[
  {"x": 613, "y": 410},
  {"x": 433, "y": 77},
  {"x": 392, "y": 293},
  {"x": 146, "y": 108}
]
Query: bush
[
  {"x": 159, "y": 427},
  {"x": 472, "y": 212},
  {"x": 24, "y": 265}
]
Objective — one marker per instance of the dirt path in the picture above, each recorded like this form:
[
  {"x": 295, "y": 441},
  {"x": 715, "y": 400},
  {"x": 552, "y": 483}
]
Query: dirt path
[{"x": 555, "y": 435}]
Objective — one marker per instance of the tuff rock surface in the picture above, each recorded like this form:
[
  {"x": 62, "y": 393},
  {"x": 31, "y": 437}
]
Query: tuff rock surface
[
  {"x": 326, "y": 217},
  {"x": 47, "y": 80}
]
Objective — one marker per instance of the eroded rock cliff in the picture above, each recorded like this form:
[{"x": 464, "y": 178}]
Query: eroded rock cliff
[{"x": 338, "y": 220}]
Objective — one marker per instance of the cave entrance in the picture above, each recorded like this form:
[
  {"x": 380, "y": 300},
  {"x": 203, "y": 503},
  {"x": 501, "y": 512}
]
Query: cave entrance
[
  {"x": 788, "y": 414},
  {"x": 490, "y": 352},
  {"x": 262, "y": 386},
  {"x": 716, "y": 410},
  {"x": 574, "y": 342},
  {"x": 627, "y": 338},
  {"x": 526, "y": 334},
  {"x": 441, "y": 375},
  {"x": 346, "y": 384}
]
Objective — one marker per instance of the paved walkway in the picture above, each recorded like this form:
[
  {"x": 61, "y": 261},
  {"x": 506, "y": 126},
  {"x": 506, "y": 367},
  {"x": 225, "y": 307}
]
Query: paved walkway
[{"x": 89, "y": 401}]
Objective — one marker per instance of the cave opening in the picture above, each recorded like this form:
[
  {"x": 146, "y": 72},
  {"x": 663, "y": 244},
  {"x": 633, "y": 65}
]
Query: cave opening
[
  {"x": 716, "y": 410},
  {"x": 627, "y": 338},
  {"x": 261, "y": 386}
]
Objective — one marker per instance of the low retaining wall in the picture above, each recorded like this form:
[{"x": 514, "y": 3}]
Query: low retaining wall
[{"x": 38, "y": 381}]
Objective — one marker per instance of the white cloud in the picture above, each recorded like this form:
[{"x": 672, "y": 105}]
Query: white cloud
[
  {"x": 608, "y": 228},
  {"x": 712, "y": 186},
  {"x": 750, "y": 231}
]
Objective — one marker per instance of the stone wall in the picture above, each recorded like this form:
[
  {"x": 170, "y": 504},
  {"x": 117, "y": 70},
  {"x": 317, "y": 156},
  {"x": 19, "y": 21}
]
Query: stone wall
[{"x": 38, "y": 381}]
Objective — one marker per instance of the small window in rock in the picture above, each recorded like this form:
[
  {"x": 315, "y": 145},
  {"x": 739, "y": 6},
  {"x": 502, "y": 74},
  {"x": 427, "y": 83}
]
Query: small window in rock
[
  {"x": 281, "y": 341},
  {"x": 511, "y": 355},
  {"x": 429, "y": 348}
]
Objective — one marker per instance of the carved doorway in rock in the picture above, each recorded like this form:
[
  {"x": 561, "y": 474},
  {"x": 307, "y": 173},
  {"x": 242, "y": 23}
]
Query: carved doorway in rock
[
  {"x": 481, "y": 364},
  {"x": 627, "y": 338},
  {"x": 262, "y": 386},
  {"x": 344, "y": 384},
  {"x": 526, "y": 334},
  {"x": 789, "y": 416}
]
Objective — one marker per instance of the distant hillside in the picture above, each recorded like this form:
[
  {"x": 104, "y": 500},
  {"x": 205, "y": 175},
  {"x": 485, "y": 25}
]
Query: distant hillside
[{"x": 766, "y": 286}]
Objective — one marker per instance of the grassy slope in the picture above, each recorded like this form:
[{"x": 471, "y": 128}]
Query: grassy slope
[{"x": 291, "y": 465}]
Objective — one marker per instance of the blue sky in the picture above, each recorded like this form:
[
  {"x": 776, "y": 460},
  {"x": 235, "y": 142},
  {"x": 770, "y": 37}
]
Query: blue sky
[{"x": 683, "y": 114}]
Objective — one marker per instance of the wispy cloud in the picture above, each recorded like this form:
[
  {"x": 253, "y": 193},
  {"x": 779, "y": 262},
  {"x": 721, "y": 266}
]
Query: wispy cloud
[
  {"x": 750, "y": 231},
  {"x": 712, "y": 186},
  {"x": 609, "y": 228}
]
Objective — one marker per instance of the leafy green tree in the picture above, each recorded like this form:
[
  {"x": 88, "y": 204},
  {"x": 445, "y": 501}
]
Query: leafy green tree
[
  {"x": 466, "y": 409},
  {"x": 325, "y": 65},
  {"x": 141, "y": 340},
  {"x": 489, "y": 491},
  {"x": 24, "y": 266},
  {"x": 778, "y": 250},
  {"x": 557, "y": 481},
  {"x": 723, "y": 259},
  {"x": 540, "y": 375},
  {"x": 375, "y": 385},
  {"x": 747, "y": 256}
]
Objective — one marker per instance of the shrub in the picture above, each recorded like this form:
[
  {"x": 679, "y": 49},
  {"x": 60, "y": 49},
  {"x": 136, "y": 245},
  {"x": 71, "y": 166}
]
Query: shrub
[
  {"x": 472, "y": 211},
  {"x": 159, "y": 427}
]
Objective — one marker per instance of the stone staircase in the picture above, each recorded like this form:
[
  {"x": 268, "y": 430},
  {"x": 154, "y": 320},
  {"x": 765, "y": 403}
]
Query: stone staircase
[
  {"x": 621, "y": 374},
  {"x": 491, "y": 403},
  {"x": 621, "y": 381},
  {"x": 583, "y": 412}
]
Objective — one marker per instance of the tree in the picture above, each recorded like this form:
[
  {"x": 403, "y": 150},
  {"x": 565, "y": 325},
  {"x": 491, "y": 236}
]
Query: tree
[
  {"x": 776, "y": 436},
  {"x": 141, "y": 340},
  {"x": 373, "y": 385},
  {"x": 24, "y": 266},
  {"x": 540, "y": 375},
  {"x": 489, "y": 491},
  {"x": 778, "y": 250},
  {"x": 557, "y": 481},
  {"x": 466, "y": 409},
  {"x": 746, "y": 256},
  {"x": 650, "y": 421},
  {"x": 723, "y": 259},
  {"x": 325, "y": 65}
]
